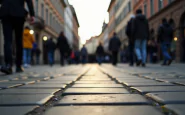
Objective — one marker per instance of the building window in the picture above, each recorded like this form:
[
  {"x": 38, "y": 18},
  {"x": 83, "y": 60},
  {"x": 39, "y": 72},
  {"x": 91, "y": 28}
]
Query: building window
[
  {"x": 36, "y": 7},
  {"x": 47, "y": 21},
  {"x": 42, "y": 11},
  {"x": 50, "y": 19},
  {"x": 129, "y": 6},
  {"x": 145, "y": 10},
  {"x": 160, "y": 2},
  {"x": 152, "y": 7}
]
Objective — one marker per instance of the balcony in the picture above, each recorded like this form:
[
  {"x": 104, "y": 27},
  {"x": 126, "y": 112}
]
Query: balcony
[{"x": 39, "y": 23}]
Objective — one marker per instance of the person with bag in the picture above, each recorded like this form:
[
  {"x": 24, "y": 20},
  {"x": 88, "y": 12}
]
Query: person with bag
[
  {"x": 165, "y": 37},
  {"x": 13, "y": 15}
]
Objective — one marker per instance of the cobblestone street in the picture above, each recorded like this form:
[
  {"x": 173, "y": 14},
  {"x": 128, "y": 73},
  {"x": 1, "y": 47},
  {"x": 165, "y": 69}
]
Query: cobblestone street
[{"x": 94, "y": 90}]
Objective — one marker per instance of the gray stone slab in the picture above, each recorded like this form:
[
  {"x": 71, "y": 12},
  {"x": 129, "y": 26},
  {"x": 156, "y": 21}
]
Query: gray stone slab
[
  {"x": 135, "y": 80},
  {"x": 17, "y": 110},
  {"x": 55, "y": 82},
  {"x": 79, "y": 91},
  {"x": 151, "y": 89},
  {"x": 177, "y": 109},
  {"x": 171, "y": 80},
  {"x": 29, "y": 91},
  {"x": 96, "y": 82},
  {"x": 18, "y": 100},
  {"x": 168, "y": 97},
  {"x": 9, "y": 85},
  {"x": 109, "y": 99},
  {"x": 103, "y": 110},
  {"x": 180, "y": 82},
  {"x": 44, "y": 86},
  {"x": 141, "y": 84},
  {"x": 20, "y": 82},
  {"x": 97, "y": 86}
]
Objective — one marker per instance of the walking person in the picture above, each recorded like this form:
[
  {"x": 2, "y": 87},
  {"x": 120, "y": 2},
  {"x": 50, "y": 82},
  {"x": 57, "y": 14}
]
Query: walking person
[
  {"x": 114, "y": 46},
  {"x": 13, "y": 14},
  {"x": 100, "y": 54},
  {"x": 28, "y": 40},
  {"x": 84, "y": 54},
  {"x": 131, "y": 41},
  {"x": 165, "y": 37},
  {"x": 37, "y": 55},
  {"x": 51, "y": 46},
  {"x": 63, "y": 46},
  {"x": 140, "y": 33}
]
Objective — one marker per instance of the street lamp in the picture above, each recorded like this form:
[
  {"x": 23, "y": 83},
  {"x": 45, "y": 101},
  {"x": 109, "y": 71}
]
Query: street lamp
[
  {"x": 175, "y": 39},
  {"x": 31, "y": 32},
  {"x": 45, "y": 38}
]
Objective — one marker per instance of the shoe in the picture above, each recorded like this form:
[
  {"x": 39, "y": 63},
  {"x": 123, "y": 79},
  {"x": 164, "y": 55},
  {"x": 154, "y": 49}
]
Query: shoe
[
  {"x": 138, "y": 63},
  {"x": 6, "y": 69},
  {"x": 170, "y": 61},
  {"x": 19, "y": 69},
  {"x": 143, "y": 65}
]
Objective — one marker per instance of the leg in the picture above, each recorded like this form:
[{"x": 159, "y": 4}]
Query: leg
[
  {"x": 29, "y": 56},
  {"x": 116, "y": 58},
  {"x": 131, "y": 53},
  {"x": 25, "y": 55},
  {"x": 143, "y": 46},
  {"x": 61, "y": 58},
  {"x": 165, "y": 53},
  {"x": 18, "y": 25},
  {"x": 8, "y": 37},
  {"x": 137, "y": 49}
]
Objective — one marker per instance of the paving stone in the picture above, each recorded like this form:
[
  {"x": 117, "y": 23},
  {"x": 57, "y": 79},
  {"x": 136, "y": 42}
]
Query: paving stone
[
  {"x": 141, "y": 84},
  {"x": 29, "y": 91},
  {"x": 110, "y": 99},
  {"x": 103, "y": 110},
  {"x": 135, "y": 80},
  {"x": 168, "y": 97},
  {"x": 97, "y": 86},
  {"x": 177, "y": 109},
  {"x": 9, "y": 85},
  {"x": 95, "y": 82},
  {"x": 172, "y": 80},
  {"x": 55, "y": 82},
  {"x": 18, "y": 100},
  {"x": 180, "y": 82},
  {"x": 20, "y": 82},
  {"x": 80, "y": 91},
  {"x": 44, "y": 86},
  {"x": 151, "y": 89},
  {"x": 108, "y": 79},
  {"x": 17, "y": 110}
]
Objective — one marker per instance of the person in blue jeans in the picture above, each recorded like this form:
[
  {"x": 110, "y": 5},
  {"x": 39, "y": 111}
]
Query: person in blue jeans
[
  {"x": 51, "y": 46},
  {"x": 165, "y": 37},
  {"x": 140, "y": 32}
]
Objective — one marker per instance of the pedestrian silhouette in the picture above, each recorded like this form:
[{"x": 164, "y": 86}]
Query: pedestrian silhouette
[
  {"x": 51, "y": 46},
  {"x": 13, "y": 14},
  {"x": 84, "y": 54},
  {"x": 100, "y": 54}
]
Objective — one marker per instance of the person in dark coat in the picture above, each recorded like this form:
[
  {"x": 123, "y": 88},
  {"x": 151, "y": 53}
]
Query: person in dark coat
[
  {"x": 131, "y": 41},
  {"x": 100, "y": 53},
  {"x": 13, "y": 14},
  {"x": 84, "y": 54},
  {"x": 165, "y": 37},
  {"x": 140, "y": 33},
  {"x": 114, "y": 46},
  {"x": 63, "y": 46},
  {"x": 51, "y": 46}
]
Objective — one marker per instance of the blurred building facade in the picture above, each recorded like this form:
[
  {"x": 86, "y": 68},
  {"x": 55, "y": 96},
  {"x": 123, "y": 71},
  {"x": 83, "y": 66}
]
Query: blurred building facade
[{"x": 51, "y": 17}]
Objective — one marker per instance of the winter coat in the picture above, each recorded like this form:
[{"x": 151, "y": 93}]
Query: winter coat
[
  {"x": 99, "y": 51},
  {"x": 50, "y": 45},
  {"x": 63, "y": 45},
  {"x": 84, "y": 52},
  {"x": 15, "y": 8},
  {"x": 140, "y": 28},
  {"x": 165, "y": 33},
  {"x": 129, "y": 30},
  {"x": 114, "y": 44},
  {"x": 28, "y": 39}
]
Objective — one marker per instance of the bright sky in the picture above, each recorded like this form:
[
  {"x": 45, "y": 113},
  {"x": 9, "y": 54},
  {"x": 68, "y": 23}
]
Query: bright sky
[{"x": 91, "y": 15}]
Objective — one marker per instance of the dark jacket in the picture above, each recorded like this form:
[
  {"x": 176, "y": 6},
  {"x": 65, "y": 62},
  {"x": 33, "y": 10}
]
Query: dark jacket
[
  {"x": 114, "y": 44},
  {"x": 15, "y": 8},
  {"x": 50, "y": 45},
  {"x": 165, "y": 33},
  {"x": 63, "y": 45},
  {"x": 140, "y": 27},
  {"x": 99, "y": 51},
  {"x": 84, "y": 51},
  {"x": 129, "y": 29}
]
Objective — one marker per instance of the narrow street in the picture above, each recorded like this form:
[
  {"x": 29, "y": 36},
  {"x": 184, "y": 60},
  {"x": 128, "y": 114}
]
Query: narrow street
[{"x": 94, "y": 90}]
